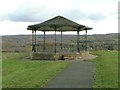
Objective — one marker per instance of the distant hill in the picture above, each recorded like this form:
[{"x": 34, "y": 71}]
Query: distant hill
[{"x": 22, "y": 43}]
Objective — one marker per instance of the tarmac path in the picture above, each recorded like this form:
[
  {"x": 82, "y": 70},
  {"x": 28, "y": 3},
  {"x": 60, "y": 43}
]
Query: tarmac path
[{"x": 80, "y": 74}]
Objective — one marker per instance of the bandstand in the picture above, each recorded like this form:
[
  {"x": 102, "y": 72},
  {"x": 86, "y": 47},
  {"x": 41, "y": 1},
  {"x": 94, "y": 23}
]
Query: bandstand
[{"x": 56, "y": 24}]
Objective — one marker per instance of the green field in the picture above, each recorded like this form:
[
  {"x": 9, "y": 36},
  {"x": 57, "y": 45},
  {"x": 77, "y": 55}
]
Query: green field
[
  {"x": 106, "y": 69},
  {"x": 18, "y": 73}
]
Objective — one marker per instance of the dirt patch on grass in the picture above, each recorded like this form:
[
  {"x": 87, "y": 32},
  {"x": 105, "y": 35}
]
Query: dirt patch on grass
[{"x": 88, "y": 57}]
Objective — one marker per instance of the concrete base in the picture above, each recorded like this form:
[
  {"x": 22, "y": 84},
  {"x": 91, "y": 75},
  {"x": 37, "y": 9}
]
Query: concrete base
[
  {"x": 45, "y": 56},
  {"x": 54, "y": 56}
]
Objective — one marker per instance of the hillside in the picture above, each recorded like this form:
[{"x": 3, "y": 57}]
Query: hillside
[{"x": 22, "y": 43}]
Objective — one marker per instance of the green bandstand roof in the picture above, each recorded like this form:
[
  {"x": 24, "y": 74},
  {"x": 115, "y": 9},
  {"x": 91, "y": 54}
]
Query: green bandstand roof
[{"x": 60, "y": 23}]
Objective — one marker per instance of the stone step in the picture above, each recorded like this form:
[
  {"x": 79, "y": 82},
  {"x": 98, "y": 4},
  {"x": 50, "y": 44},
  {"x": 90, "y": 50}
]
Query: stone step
[{"x": 72, "y": 56}]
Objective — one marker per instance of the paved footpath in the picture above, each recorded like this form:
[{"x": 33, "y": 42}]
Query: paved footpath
[{"x": 78, "y": 75}]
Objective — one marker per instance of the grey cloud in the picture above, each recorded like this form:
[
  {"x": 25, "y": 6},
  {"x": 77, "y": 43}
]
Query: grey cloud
[
  {"x": 96, "y": 17},
  {"x": 115, "y": 14},
  {"x": 3, "y": 17},
  {"x": 31, "y": 14},
  {"x": 28, "y": 13},
  {"x": 79, "y": 15},
  {"x": 75, "y": 14},
  {"x": 24, "y": 17}
]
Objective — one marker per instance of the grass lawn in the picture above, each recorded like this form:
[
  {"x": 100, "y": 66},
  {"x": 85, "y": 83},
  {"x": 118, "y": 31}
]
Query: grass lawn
[
  {"x": 0, "y": 71},
  {"x": 106, "y": 69},
  {"x": 18, "y": 73}
]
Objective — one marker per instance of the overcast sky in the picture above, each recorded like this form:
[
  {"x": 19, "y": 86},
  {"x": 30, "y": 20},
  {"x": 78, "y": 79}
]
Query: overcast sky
[{"x": 16, "y": 15}]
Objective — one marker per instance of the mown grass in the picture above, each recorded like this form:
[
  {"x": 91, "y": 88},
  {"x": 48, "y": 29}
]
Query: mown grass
[
  {"x": 106, "y": 69},
  {"x": 18, "y": 73},
  {"x": 0, "y": 70}
]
